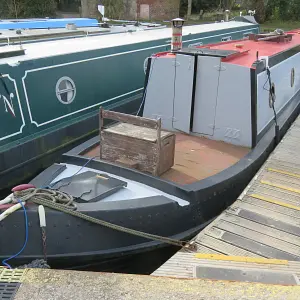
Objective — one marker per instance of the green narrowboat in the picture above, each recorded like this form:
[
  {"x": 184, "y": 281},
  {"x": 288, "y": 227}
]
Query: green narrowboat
[{"x": 50, "y": 91}]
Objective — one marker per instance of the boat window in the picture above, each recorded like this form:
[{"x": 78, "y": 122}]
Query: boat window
[
  {"x": 195, "y": 45},
  {"x": 65, "y": 90},
  {"x": 292, "y": 77},
  {"x": 246, "y": 35},
  {"x": 226, "y": 38}
]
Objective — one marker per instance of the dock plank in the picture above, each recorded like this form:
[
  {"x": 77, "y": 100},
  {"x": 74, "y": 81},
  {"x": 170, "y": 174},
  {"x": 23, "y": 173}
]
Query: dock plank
[
  {"x": 252, "y": 207},
  {"x": 262, "y": 229},
  {"x": 263, "y": 223},
  {"x": 260, "y": 219},
  {"x": 263, "y": 238},
  {"x": 223, "y": 247}
]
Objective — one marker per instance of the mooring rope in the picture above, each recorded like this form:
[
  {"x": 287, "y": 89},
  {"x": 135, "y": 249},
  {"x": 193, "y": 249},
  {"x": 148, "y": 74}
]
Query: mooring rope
[
  {"x": 63, "y": 202},
  {"x": 51, "y": 196}
]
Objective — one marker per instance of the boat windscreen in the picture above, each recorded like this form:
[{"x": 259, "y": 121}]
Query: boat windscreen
[{"x": 89, "y": 186}]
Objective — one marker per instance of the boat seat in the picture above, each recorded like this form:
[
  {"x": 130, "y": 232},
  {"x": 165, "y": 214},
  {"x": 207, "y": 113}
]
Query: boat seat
[
  {"x": 137, "y": 132},
  {"x": 137, "y": 142}
]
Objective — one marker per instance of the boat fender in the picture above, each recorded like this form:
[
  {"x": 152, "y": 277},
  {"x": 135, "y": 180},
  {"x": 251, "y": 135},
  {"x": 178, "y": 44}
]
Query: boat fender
[
  {"x": 22, "y": 187},
  {"x": 42, "y": 216},
  {"x": 7, "y": 200},
  {"x": 10, "y": 210}
]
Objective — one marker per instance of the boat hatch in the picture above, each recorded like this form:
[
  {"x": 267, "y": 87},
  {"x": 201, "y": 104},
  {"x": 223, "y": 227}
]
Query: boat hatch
[
  {"x": 208, "y": 52},
  {"x": 183, "y": 89},
  {"x": 5, "y": 53},
  {"x": 89, "y": 186}
]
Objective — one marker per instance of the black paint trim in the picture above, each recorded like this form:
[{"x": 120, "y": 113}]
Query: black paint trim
[
  {"x": 281, "y": 56},
  {"x": 145, "y": 86},
  {"x": 47, "y": 176},
  {"x": 275, "y": 59},
  {"x": 253, "y": 81},
  {"x": 194, "y": 91}
]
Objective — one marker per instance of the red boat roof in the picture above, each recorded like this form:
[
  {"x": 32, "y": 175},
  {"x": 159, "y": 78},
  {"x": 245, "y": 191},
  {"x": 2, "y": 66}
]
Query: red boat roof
[{"x": 247, "y": 49}]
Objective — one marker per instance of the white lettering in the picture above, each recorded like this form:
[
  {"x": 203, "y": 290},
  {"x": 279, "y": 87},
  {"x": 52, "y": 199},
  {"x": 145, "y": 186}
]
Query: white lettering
[
  {"x": 8, "y": 104},
  {"x": 232, "y": 133}
]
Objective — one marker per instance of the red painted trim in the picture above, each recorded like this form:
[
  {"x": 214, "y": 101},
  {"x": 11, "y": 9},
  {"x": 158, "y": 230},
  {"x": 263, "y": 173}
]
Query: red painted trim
[{"x": 246, "y": 55}]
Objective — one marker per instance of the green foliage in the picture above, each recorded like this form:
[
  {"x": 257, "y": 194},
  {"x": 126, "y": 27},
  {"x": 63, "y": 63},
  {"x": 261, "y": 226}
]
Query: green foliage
[
  {"x": 198, "y": 5},
  {"x": 113, "y": 8},
  {"x": 27, "y": 8},
  {"x": 284, "y": 10}
]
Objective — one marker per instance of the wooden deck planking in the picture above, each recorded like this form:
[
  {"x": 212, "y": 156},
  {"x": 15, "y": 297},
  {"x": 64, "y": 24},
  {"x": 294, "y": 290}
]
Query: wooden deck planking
[
  {"x": 195, "y": 158},
  {"x": 264, "y": 222}
]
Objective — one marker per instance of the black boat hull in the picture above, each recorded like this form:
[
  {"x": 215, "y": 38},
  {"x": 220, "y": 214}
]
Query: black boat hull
[{"x": 75, "y": 243}]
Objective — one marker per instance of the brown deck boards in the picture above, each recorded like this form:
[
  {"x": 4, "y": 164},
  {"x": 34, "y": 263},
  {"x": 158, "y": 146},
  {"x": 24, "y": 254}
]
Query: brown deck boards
[
  {"x": 264, "y": 223},
  {"x": 197, "y": 158}
]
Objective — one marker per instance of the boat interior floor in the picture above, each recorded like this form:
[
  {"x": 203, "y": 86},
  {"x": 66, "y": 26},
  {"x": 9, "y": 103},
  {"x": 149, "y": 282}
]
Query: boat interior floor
[{"x": 196, "y": 158}]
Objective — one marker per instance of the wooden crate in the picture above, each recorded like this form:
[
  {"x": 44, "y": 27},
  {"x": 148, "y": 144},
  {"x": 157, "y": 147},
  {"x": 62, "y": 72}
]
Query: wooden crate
[{"x": 137, "y": 142}]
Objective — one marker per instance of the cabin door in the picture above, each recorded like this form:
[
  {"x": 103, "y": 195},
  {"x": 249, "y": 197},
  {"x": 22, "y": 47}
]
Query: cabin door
[
  {"x": 206, "y": 94},
  {"x": 183, "y": 90}
]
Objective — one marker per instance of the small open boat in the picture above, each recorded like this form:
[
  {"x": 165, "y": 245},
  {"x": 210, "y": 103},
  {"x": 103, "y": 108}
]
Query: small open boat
[{"x": 207, "y": 125}]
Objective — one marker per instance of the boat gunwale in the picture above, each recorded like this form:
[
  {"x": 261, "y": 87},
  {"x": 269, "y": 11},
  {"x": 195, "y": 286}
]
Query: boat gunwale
[{"x": 222, "y": 179}]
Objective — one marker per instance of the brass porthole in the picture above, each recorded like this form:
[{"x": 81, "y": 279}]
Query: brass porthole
[{"x": 292, "y": 77}]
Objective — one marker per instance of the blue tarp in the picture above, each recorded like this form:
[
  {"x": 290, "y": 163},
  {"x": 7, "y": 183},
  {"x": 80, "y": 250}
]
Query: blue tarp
[{"x": 46, "y": 23}]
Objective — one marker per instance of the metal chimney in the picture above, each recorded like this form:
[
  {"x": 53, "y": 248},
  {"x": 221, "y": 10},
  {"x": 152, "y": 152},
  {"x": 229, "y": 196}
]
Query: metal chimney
[{"x": 177, "y": 25}]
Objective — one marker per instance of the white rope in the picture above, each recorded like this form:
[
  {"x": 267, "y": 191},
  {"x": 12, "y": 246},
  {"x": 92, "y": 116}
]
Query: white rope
[{"x": 10, "y": 211}]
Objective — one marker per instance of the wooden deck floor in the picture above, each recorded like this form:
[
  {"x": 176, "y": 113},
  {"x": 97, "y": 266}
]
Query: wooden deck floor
[
  {"x": 197, "y": 158},
  {"x": 259, "y": 235}
]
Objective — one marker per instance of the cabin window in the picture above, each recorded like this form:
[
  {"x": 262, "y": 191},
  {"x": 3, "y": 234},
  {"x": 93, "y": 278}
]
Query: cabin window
[
  {"x": 292, "y": 77},
  {"x": 195, "y": 45},
  {"x": 226, "y": 38},
  {"x": 65, "y": 90},
  {"x": 246, "y": 35}
]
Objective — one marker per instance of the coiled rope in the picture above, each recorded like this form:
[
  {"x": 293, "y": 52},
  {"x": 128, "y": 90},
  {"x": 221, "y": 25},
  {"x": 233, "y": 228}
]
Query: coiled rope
[
  {"x": 51, "y": 196},
  {"x": 63, "y": 202}
]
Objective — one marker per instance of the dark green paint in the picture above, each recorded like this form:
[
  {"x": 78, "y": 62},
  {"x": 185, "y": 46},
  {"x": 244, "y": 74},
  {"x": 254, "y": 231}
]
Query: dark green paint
[{"x": 96, "y": 81}]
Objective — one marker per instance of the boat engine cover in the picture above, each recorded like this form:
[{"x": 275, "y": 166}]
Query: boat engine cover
[{"x": 89, "y": 186}]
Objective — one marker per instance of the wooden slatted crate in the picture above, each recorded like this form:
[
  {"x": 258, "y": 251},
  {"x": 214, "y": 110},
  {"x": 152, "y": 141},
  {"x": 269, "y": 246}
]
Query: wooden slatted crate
[{"x": 136, "y": 142}]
